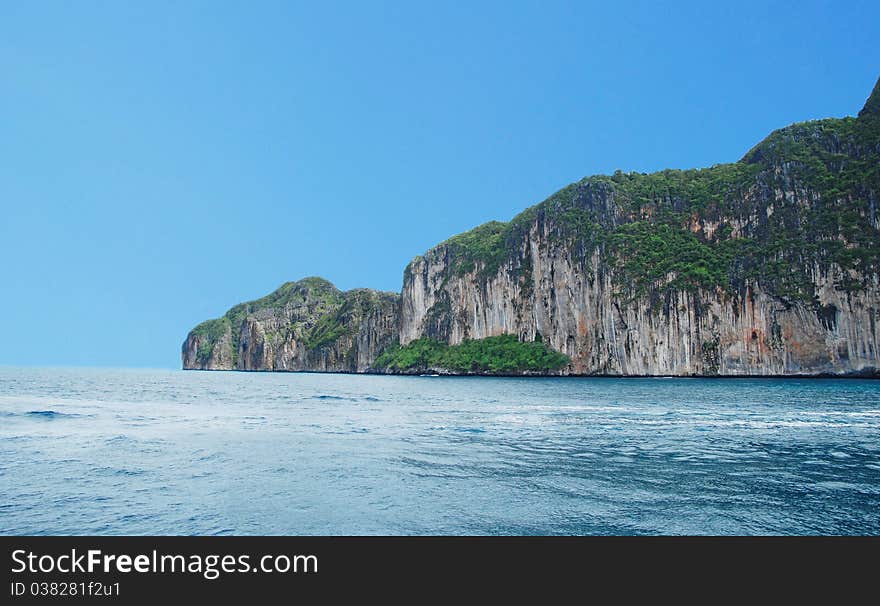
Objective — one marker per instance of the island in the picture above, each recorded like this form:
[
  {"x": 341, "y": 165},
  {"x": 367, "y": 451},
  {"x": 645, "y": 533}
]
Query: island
[{"x": 763, "y": 267}]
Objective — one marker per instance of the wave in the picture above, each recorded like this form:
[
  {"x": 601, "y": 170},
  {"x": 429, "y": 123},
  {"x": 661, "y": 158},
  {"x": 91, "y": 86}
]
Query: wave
[
  {"x": 50, "y": 414},
  {"x": 46, "y": 415}
]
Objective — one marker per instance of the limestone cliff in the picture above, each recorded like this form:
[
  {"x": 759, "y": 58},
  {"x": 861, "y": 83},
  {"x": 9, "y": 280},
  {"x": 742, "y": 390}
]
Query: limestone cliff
[
  {"x": 305, "y": 325},
  {"x": 766, "y": 266}
]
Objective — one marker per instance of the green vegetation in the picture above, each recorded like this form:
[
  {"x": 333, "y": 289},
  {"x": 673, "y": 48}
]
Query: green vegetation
[
  {"x": 325, "y": 331},
  {"x": 483, "y": 244},
  {"x": 344, "y": 320},
  {"x": 500, "y": 355},
  {"x": 650, "y": 252}
]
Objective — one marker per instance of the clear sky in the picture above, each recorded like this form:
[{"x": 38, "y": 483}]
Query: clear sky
[{"x": 162, "y": 161}]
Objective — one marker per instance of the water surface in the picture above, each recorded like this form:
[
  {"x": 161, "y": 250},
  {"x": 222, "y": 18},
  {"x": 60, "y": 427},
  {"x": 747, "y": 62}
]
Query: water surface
[{"x": 96, "y": 451}]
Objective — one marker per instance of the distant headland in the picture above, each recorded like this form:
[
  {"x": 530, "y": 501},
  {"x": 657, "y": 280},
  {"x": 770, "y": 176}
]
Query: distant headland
[{"x": 765, "y": 266}]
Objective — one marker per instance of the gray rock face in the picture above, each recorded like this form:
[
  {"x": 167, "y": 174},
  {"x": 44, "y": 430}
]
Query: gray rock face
[
  {"x": 305, "y": 325},
  {"x": 767, "y": 266},
  {"x": 582, "y": 310}
]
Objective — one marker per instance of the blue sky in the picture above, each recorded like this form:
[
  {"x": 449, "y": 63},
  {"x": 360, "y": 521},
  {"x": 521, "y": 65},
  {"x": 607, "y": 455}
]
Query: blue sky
[{"x": 162, "y": 161}]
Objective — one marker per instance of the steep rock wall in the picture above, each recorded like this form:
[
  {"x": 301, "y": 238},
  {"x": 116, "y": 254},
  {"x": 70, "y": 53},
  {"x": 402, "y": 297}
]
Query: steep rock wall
[
  {"x": 306, "y": 325},
  {"x": 580, "y": 310}
]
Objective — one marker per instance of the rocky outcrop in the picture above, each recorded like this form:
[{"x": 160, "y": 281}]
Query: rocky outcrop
[
  {"x": 767, "y": 266},
  {"x": 582, "y": 309},
  {"x": 305, "y": 325}
]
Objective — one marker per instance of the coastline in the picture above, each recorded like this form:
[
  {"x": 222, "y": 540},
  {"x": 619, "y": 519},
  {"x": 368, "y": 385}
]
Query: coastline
[{"x": 870, "y": 374}]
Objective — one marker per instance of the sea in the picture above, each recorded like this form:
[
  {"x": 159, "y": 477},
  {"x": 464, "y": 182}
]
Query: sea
[{"x": 170, "y": 452}]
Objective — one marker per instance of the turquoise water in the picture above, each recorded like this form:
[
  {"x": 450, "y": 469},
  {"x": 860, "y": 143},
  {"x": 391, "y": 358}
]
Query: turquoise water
[{"x": 89, "y": 451}]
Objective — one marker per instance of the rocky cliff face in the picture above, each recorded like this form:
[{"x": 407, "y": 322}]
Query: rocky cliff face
[
  {"x": 583, "y": 309},
  {"x": 767, "y": 266},
  {"x": 305, "y": 325}
]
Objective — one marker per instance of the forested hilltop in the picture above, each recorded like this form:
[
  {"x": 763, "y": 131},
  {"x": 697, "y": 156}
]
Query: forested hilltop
[{"x": 765, "y": 266}]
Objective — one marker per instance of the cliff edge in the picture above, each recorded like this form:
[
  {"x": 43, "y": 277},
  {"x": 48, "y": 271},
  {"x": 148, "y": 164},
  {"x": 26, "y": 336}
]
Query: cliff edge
[{"x": 304, "y": 325}]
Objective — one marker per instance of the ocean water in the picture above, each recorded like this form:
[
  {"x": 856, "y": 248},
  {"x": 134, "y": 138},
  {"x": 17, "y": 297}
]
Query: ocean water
[{"x": 96, "y": 451}]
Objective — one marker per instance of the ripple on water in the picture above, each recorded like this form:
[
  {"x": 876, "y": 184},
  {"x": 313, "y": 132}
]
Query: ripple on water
[
  {"x": 51, "y": 414},
  {"x": 292, "y": 453}
]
